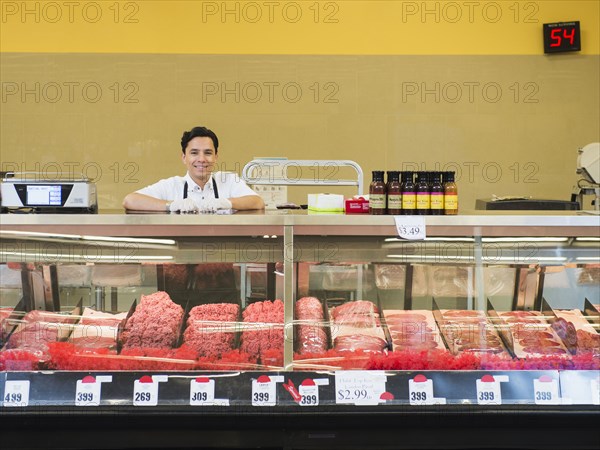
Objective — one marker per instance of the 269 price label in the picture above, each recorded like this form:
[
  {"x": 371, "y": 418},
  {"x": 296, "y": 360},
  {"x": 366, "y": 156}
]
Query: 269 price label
[
  {"x": 145, "y": 394},
  {"x": 202, "y": 392},
  {"x": 545, "y": 391},
  {"x": 16, "y": 393},
  {"x": 264, "y": 393}
]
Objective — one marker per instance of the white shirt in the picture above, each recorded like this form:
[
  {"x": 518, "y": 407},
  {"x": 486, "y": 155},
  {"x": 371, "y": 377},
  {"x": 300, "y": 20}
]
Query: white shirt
[{"x": 229, "y": 185}]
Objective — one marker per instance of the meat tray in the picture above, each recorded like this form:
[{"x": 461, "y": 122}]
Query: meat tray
[{"x": 414, "y": 330}]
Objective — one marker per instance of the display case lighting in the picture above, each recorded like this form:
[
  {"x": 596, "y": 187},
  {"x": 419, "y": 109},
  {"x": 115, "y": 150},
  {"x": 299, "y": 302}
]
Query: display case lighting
[
  {"x": 525, "y": 239},
  {"x": 587, "y": 239},
  {"x": 88, "y": 258},
  {"x": 88, "y": 238}
]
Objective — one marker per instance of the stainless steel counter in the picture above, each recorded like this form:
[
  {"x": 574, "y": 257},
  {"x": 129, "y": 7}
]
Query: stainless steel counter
[{"x": 476, "y": 223}]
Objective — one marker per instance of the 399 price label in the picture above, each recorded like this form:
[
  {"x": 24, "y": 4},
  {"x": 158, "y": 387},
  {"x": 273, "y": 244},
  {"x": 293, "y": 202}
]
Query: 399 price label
[
  {"x": 310, "y": 395},
  {"x": 87, "y": 394},
  {"x": 545, "y": 391},
  {"x": 202, "y": 392},
  {"x": 420, "y": 392},
  {"x": 16, "y": 393},
  {"x": 488, "y": 392},
  {"x": 264, "y": 393}
]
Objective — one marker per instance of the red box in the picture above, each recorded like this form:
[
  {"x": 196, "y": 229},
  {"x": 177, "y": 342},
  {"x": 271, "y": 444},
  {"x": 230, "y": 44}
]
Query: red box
[{"x": 357, "y": 206}]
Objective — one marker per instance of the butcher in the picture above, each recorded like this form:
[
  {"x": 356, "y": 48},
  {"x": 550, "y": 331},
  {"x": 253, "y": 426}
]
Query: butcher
[{"x": 200, "y": 189}]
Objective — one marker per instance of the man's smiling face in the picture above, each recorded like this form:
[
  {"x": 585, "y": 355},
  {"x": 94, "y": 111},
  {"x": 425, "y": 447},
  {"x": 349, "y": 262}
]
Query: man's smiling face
[{"x": 200, "y": 158}]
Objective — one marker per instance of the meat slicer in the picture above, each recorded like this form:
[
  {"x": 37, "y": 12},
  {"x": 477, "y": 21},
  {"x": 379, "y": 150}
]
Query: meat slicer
[{"x": 588, "y": 166}]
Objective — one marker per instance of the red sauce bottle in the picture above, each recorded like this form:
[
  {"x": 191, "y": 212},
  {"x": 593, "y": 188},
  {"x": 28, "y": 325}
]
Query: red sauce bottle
[
  {"x": 377, "y": 194},
  {"x": 394, "y": 193}
]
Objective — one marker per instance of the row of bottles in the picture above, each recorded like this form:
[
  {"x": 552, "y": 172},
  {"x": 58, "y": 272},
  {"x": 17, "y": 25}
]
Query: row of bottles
[{"x": 433, "y": 193}]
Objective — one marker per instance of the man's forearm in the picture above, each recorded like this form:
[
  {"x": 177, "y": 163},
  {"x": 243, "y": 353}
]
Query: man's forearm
[
  {"x": 141, "y": 202},
  {"x": 247, "y": 202}
]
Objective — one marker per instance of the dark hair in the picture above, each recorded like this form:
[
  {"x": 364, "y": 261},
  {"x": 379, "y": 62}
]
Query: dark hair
[{"x": 198, "y": 132}]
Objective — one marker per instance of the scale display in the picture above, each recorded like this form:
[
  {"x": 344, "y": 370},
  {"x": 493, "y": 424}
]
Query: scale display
[{"x": 44, "y": 195}]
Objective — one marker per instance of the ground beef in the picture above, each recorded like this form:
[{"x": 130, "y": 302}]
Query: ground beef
[
  {"x": 256, "y": 340},
  {"x": 211, "y": 329},
  {"x": 155, "y": 323}
]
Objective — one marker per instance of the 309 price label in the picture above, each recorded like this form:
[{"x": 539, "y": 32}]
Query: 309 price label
[
  {"x": 202, "y": 392},
  {"x": 16, "y": 393},
  {"x": 545, "y": 391}
]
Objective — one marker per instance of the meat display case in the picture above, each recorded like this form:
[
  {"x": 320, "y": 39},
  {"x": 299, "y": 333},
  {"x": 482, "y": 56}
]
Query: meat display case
[{"x": 492, "y": 263}]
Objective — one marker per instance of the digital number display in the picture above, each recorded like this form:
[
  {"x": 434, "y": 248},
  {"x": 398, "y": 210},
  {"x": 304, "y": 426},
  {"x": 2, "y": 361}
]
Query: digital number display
[
  {"x": 44, "y": 195},
  {"x": 562, "y": 37}
]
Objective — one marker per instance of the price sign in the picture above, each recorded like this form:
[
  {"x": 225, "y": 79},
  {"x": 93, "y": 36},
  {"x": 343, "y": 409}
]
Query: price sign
[
  {"x": 264, "y": 391},
  {"x": 310, "y": 395},
  {"x": 145, "y": 392},
  {"x": 488, "y": 391},
  {"x": 411, "y": 228},
  {"x": 545, "y": 391},
  {"x": 16, "y": 393},
  {"x": 420, "y": 391},
  {"x": 87, "y": 393},
  {"x": 359, "y": 387},
  {"x": 595, "y": 392},
  {"x": 202, "y": 392}
]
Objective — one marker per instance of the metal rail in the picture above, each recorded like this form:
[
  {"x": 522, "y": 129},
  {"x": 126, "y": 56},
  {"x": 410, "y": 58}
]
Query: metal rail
[{"x": 254, "y": 172}]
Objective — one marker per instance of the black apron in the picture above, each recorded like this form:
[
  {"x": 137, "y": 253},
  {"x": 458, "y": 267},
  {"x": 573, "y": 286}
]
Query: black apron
[{"x": 215, "y": 190}]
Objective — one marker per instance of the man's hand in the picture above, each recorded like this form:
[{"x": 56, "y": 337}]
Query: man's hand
[
  {"x": 211, "y": 205},
  {"x": 183, "y": 205}
]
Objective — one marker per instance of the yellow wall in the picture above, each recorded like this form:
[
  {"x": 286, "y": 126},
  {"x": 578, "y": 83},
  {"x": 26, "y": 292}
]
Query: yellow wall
[{"x": 387, "y": 90}]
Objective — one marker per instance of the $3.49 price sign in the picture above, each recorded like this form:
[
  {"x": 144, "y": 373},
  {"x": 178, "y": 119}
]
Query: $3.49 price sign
[
  {"x": 202, "y": 392},
  {"x": 16, "y": 393},
  {"x": 411, "y": 228}
]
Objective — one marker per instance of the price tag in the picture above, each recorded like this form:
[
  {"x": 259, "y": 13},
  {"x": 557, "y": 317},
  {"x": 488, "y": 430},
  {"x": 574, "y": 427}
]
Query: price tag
[
  {"x": 359, "y": 387},
  {"x": 87, "y": 393},
  {"x": 202, "y": 391},
  {"x": 545, "y": 391},
  {"x": 16, "y": 393},
  {"x": 310, "y": 395},
  {"x": 264, "y": 392},
  {"x": 145, "y": 392},
  {"x": 595, "y": 392},
  {"x": 411, "y": 228},
  {"x": 420, "y": 391},
  {"x": 488, "y": 391}
]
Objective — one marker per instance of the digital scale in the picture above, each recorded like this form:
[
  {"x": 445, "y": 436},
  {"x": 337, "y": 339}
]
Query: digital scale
[{"x": 28, "y": 192}]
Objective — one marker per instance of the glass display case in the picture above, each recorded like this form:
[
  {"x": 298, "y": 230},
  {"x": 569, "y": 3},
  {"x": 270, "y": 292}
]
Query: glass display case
[{"x": 339, "y": 331}]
